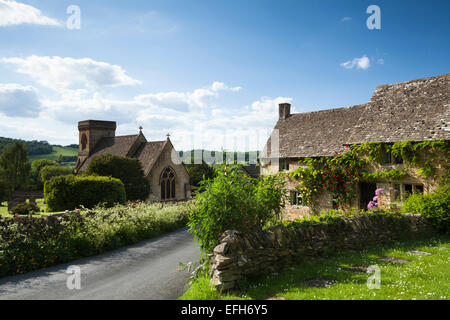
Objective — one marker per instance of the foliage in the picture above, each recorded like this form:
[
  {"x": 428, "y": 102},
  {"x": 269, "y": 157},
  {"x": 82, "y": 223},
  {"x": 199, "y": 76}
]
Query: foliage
[
  {"x": 69, "y": 192},
  {"x": 434, "y": 206},
  {"x": 127, "y": 170},
  {"x": 393, "y": 174},
  {"x": 49, "y": 172},
  {"x": 36, "y": 167},
  {"x": 25, "y": 209},
  {"x": 234, "y": 201},
  {"x": 199, "y": 172},
  {"x": 14, "y": 166},
  {"x": 338, "y": 175},
  {"x": 27, "y": 244},
  {"x": 32, "y": 147},
  {"x": 3, "y": 190}
]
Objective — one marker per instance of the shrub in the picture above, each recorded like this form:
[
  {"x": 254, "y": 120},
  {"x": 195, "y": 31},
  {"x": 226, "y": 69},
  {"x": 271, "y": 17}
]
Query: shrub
[
  {"x": 69, "y": 192},
  {"x": 435, "y": 207},
  {"x": 25, "y": 209},
  {"x": 199, "y": 172},
  {"x": 234, "y": 201},
  {"x": 28, "y": 244},
  {"x": 128, "y": 170},
  {"x": 49, "y": 172}
]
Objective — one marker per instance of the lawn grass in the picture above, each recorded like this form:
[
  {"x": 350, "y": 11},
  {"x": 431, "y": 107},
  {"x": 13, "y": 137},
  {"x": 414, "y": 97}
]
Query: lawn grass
[{"x": 424, "y": 277}]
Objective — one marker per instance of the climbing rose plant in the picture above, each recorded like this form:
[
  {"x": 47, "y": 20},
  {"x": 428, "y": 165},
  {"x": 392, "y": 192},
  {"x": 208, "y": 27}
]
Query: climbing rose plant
[{"x": 337, "y": 175}]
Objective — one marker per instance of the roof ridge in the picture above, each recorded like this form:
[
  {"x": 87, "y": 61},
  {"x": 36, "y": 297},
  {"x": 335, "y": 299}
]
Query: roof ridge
[
  {"x": 328, "y": 110},
  {"x": 415, "y": 80}
]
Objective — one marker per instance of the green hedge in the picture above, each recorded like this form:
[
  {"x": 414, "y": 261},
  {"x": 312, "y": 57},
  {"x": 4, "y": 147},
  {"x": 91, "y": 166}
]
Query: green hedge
[
  {"x": 28, "y": 244},
  {"x": 70, "y": 192},
  {"x": 435, "y": 207}
]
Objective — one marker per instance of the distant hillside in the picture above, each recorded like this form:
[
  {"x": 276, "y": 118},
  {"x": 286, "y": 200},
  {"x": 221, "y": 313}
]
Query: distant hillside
[
  {"x": 33, "y": 147},
  {"x": 43, "y": 150},
  {"x": 69, "y": 155}
]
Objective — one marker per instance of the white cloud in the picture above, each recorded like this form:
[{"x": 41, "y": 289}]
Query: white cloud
[
  {"x": 220, "y": 86},
  {"x": 358, "y": 63},
  {"x": 344, "y": 19},
  {"x": 15, "y": 13},
  {"x": 182, "y": 101},
  {"x": 60, "y": 74},
  {"x": 195, "y": 119},
  {"x": 380, "y": 61},
  {"x": 19, "y": 101}
]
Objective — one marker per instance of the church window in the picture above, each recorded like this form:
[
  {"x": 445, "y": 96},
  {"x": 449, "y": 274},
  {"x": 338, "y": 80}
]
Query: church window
[{"x": 168, "y": 185}]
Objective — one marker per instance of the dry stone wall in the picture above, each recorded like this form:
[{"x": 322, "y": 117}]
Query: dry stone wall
[{"x": 241, "y": 256}]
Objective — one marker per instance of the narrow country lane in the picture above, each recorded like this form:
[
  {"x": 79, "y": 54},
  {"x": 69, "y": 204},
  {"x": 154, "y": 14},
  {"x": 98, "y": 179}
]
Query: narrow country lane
[{"x": 145, "y": 271}]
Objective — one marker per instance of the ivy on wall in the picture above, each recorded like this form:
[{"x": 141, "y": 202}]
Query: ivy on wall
[{"x": 339, "y": 175}]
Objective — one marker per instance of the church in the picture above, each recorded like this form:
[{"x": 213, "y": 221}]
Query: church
[{"x": 169, "y": 180}]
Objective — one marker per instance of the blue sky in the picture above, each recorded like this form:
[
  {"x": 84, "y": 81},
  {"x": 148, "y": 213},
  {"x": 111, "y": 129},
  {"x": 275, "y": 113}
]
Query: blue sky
[{"x": 209, "y": 72}]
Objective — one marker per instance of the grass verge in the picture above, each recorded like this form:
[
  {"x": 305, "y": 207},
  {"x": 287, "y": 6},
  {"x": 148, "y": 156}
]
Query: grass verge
[{"x": 343, "y": 277}]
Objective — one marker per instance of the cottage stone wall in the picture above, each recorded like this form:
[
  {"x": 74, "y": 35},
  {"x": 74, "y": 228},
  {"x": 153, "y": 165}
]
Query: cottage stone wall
[
  {"x": 324, "y": 201},
  {"x": 241, "y": 256}
]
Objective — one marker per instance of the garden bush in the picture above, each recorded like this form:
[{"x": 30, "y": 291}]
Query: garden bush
[
  {"x": 70, "y": 192},
  {"x": 25, "y": 209},
  {"x": 28, "y": 244},
  {"x": 234, "y": 201},
  {"x": 434, "y": 206},
  {"x": 127, "y": 170},
  {"x": 49, "y": 172}
]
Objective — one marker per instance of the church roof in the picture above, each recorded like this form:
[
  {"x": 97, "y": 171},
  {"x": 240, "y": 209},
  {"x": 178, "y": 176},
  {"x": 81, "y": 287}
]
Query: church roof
[
  {"x": 416, "y": 110},
  {"x": 128, "y": 146},
  {"x": 149, "y": 153}
]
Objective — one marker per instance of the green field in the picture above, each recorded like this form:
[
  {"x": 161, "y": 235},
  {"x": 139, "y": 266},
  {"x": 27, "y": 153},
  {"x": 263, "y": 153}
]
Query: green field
[
  {"x": 65, "y": 152},
  {"x": 343, "y": 277}
]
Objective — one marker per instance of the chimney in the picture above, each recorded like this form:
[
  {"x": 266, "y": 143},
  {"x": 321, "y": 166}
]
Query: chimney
[{"x": 285, "y": 111}]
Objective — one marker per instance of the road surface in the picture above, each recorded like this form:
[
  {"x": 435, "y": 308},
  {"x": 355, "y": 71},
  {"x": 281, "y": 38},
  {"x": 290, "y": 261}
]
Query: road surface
[{"x": 147, "y": 271}]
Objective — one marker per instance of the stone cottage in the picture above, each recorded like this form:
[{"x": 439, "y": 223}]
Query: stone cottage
[
  {"x": 169, "y": 180},
  {"x": 416, "y": 111}
]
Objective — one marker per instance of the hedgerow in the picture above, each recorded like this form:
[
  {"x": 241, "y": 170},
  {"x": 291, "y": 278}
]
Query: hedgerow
[
  {"x": 70, "y": 192},
  {"x": 28, "y": 244}
]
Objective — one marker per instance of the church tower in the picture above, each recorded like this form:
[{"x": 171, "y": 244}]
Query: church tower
[{"x": 90, "y": 133}]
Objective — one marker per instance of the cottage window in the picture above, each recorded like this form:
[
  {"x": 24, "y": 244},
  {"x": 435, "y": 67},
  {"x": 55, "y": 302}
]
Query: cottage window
[
  {"x": 397, "y": 191},
  {"x": 387, "y": 157},
  {"x": 284, "y": 165},
  {"x": 168, "y": 185},
  {"x": 418, "y": 189},
  {"x": 398, "y": 160},
  {"x": 296, "y": 199},
  {"x": 408, "y": 189}
]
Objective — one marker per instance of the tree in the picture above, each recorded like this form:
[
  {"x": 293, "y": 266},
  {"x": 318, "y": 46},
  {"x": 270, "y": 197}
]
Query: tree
[
  {"x": 3, "y": 190},
  {"x": 199, "y": 172},
  {"x": 36, "y": 167},
  {"x": 14, "y": 166},
  {"x": 49, "y": 172},
  {"x": 127, "y": 170},
  {"x": 234, "y": 201}
]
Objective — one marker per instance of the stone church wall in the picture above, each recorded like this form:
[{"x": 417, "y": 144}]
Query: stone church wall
[{"x": 183, "y": 190}]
